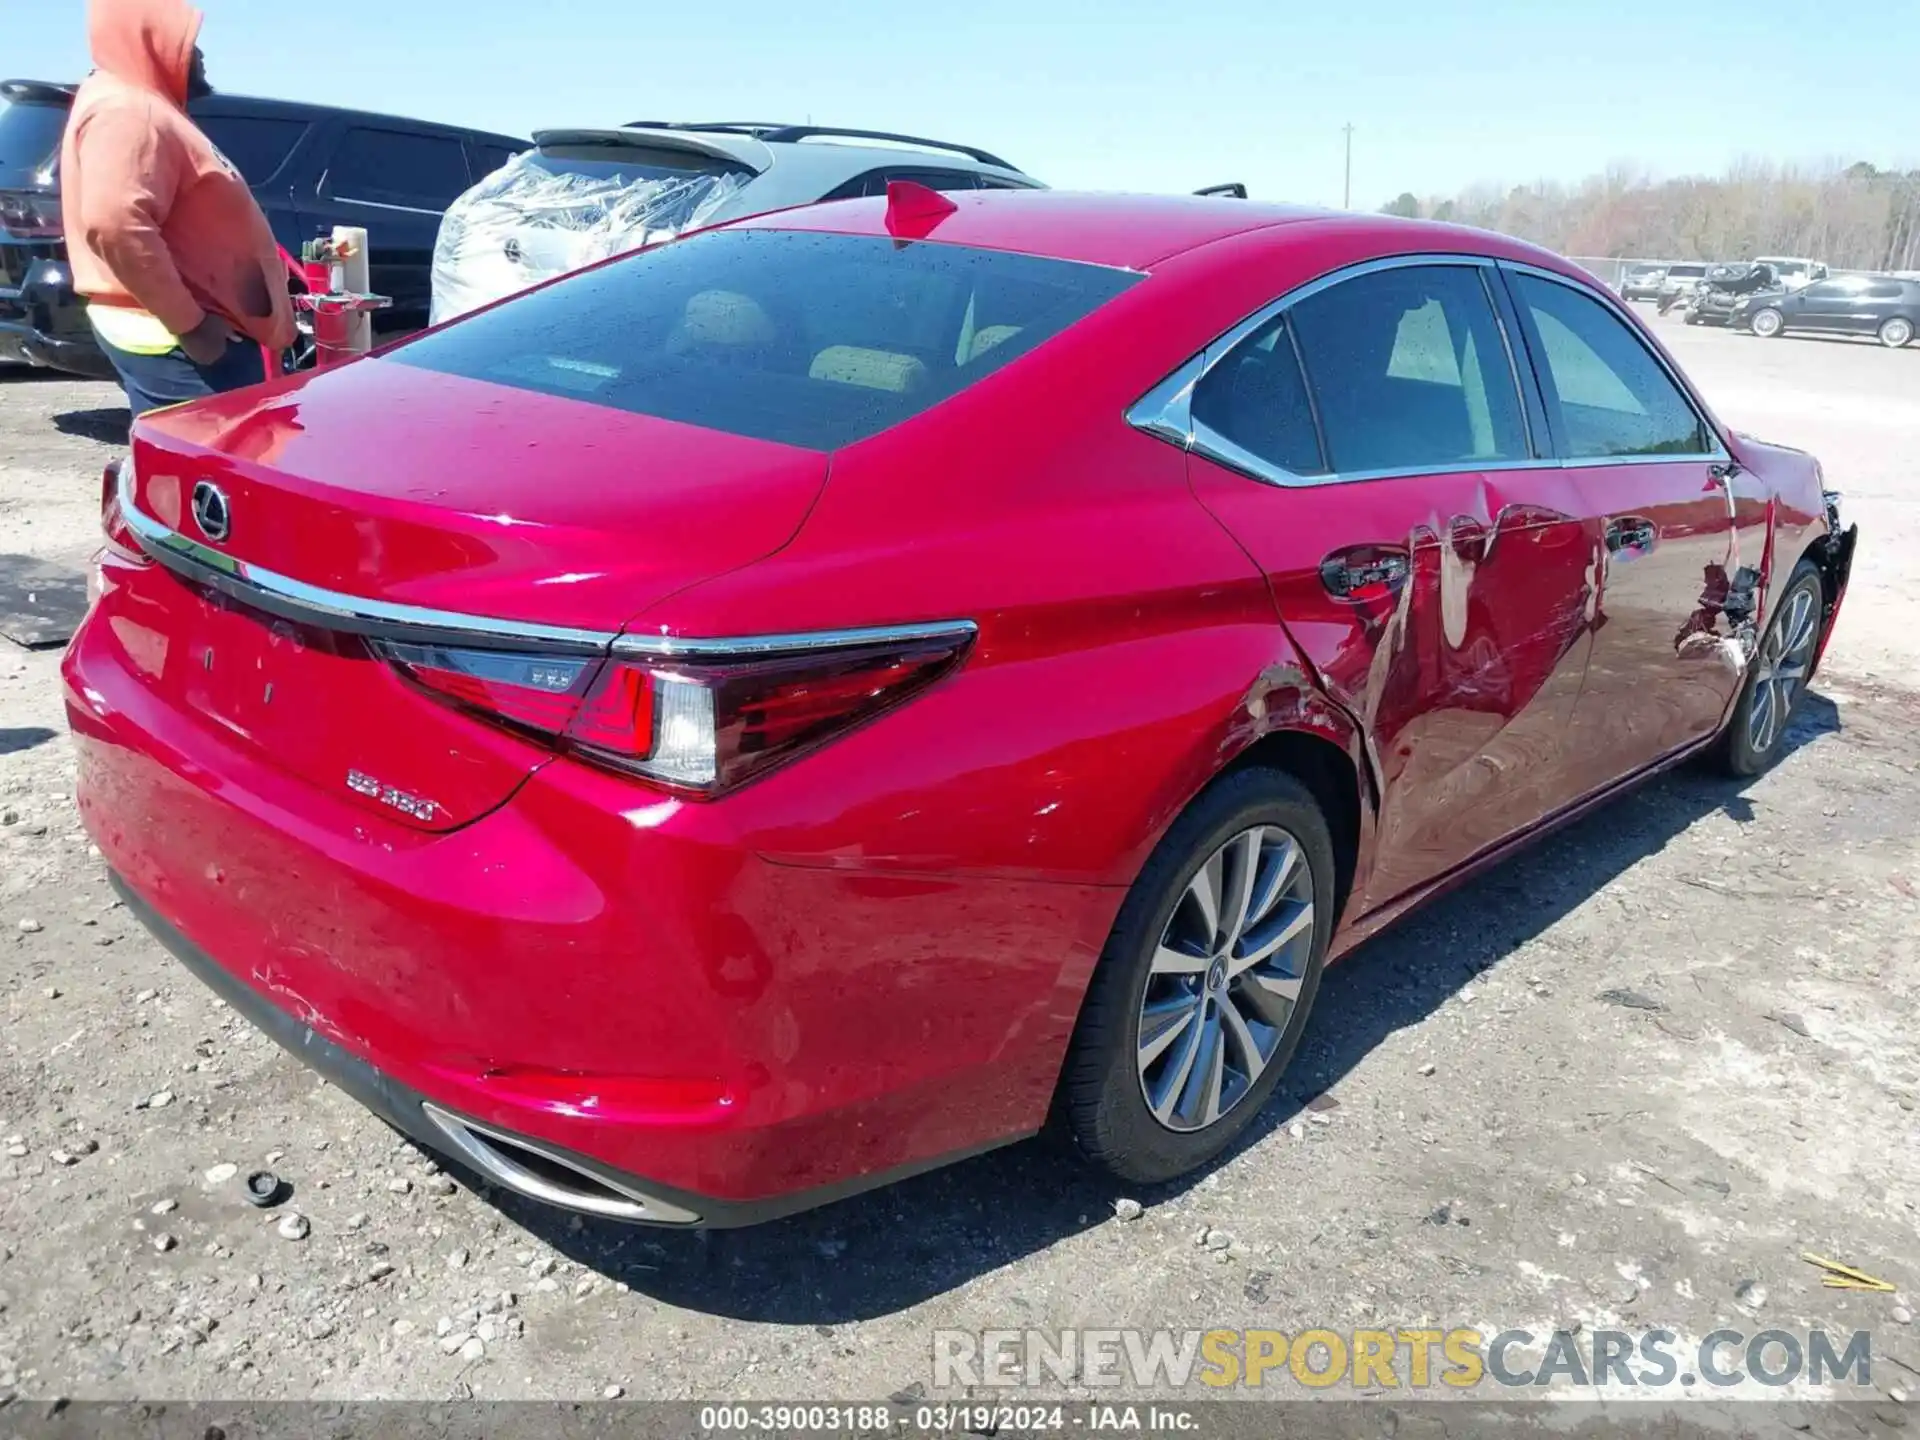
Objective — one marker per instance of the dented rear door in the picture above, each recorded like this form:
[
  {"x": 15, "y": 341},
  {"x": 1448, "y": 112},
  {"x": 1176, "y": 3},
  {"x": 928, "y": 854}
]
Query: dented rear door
[{"x": 1375, "y": 450}]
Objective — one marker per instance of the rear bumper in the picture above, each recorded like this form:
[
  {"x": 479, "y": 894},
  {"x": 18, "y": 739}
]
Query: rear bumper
[
  {"x": 614, "y": 981},
  {"x": 530, "y": 1167},
  {"x": 27, "y": 346},
  {"x": 44, "y": 323}
]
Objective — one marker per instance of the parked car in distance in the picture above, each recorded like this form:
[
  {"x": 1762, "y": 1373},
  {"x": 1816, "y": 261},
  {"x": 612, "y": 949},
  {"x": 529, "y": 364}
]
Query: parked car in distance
[
  {"x": 311, "y": 167},
  {"x": 697, "y": 871},
  {"x": 1678, "y": 282},
  {"x": 584, "y": 195},
  {"x": 1715, "y": 298},
  {"x": 1642, "y": 282},
  {"x": 1886, "y": 308},
  {"x": 1793, "y": 271}
]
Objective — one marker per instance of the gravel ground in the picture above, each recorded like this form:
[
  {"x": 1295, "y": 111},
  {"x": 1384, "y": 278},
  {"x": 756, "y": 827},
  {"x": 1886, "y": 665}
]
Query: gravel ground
[{"x": 1626, "y": 1079}]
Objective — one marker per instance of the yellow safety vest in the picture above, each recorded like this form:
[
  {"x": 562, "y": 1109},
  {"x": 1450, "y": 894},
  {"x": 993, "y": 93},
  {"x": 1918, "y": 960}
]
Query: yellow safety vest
[{"x": 134, "y": 331}]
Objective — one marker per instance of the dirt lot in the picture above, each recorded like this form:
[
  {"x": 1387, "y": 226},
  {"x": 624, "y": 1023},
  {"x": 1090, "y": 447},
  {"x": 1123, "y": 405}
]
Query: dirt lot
[{"x": 1625, "y": 1080}]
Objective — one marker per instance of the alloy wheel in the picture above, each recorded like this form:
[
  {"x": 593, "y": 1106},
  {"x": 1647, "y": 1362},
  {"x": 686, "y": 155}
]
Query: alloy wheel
[
  {"x": 1225, "y": 978},
  {"x": 1896, "y": 332},
  {"x": 1786, "y": 655},
  {"x": 1767, "y": 324}
]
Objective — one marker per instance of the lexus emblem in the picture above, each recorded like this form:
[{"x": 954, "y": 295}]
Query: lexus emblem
[{"x": 210, "y": 511}]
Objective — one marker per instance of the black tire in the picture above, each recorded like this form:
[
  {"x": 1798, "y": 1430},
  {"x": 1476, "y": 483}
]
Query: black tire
[
  {"x": 1895, "y": 331},
  {"x": 1747, "y": 747},
  {"x": 1777, "y": 323},
  {"x": 1101, "y": 1100}
]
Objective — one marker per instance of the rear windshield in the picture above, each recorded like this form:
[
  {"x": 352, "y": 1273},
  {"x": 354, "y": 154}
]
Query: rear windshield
[
  {"x": 809, "y": 340},
  {"x": 29, "y": 138},
  {"x": 1692, "y": 272}
]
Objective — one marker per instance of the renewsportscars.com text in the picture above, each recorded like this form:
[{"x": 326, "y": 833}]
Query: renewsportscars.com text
[{"x": 1398, "y": 1359}]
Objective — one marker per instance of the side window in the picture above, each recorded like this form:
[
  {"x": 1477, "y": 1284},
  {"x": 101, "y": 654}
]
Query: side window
[
  {"x": 489, "y": 158},
  {"x": 257, "y": 146},
  {"x": 1827, "y": 292},
  {"x": 1886, "y": 290},
  {"x": 932, "y": 179},
  {"x": 1256, "y": 399},
  {"x": 1408, "y": 371},
  {"x": 1614, "y": 397},
  {"x": 395, "y": 167}
]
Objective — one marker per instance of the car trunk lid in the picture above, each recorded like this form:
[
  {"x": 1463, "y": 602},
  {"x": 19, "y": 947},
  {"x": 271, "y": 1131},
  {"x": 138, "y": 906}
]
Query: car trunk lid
[{"x": 378, "y": 497}]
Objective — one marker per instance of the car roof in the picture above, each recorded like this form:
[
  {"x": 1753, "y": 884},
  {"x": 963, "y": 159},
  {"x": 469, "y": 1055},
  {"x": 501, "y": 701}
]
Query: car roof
[
  {"x": 220, "y": 103},
  {"x": 1135, "y": 232}
]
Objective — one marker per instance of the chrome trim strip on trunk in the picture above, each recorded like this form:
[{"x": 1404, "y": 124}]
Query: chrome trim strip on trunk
[
  {"x": 296, "y": 600},
  {"x": 292, "y": 599},
  {"x": 754, "y": 647}
]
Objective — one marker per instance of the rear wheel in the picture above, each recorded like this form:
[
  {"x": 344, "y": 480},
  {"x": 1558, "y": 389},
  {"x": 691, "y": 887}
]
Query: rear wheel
[
  {"x": 1895, "y": 331},
  {"x": 1768, "y": 323},
  {"x": 1777, "y": 678},
  {"x": 1206, "y": 982}
]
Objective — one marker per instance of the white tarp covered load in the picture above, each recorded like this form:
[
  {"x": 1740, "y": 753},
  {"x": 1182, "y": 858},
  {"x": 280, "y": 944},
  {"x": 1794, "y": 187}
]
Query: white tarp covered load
[{"x": 525, "y": 223}]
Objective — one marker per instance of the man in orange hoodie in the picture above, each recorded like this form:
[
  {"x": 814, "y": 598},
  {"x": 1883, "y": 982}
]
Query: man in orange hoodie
[{"x": 183, "y": 279}]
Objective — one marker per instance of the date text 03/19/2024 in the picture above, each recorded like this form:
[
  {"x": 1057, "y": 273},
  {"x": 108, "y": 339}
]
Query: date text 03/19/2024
[{"x": 938, "y": 1418}]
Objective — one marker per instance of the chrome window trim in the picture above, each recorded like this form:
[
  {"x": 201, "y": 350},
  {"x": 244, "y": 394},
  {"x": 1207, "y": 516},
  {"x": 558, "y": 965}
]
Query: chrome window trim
[
  {"x": 1611, "y": 303},
  {"x": 1166, "y": 411},
  {"x": 296, "y": 600}
]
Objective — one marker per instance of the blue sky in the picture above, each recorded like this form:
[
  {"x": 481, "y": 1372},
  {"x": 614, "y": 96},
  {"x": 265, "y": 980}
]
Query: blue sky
[{"x": 1122, "y": 94}]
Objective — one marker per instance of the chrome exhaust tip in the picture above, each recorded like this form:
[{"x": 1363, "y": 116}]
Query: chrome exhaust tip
[{"x": 529, "y": 1168}]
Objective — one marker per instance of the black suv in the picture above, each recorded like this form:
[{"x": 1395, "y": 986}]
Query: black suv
[{"x": 310, "y": 166}]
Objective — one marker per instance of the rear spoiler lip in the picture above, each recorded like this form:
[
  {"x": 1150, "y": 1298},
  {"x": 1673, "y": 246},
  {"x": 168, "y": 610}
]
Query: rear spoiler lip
[{"x": 652, "y": 140}]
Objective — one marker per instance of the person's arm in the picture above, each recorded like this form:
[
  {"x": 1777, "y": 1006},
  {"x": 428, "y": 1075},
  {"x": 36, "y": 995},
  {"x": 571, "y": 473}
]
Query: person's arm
[{"x": 127, "y": 187}]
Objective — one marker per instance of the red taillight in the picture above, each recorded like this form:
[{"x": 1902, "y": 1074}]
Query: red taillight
[
  {"x": 113, "y": 521},
  {"x": 698, "y": 724},
  {"x": 537, "y": 692}
]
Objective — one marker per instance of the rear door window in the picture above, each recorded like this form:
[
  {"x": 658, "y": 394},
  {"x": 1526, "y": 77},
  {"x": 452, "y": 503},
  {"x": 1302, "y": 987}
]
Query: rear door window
[
  {"x": 804, "y": 339},
  {"x": 1255, "y": 399},
  {"x": 875, "y": 182},
  {"x": 258, "y": 146},
  {"x": 397, "y": 167},
  {"x": 1614, "y": 397},
  {"x": 1409, "y": 371}
]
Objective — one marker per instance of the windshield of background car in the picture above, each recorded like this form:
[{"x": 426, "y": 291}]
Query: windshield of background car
[
  {"x": 29, "y": 139},
  {"x": 803, "y": 339},
  {"x": 1686, "y": 272}
]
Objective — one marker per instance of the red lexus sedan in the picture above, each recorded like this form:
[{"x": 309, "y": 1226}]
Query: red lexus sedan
[{"x": 830, "y": 694}]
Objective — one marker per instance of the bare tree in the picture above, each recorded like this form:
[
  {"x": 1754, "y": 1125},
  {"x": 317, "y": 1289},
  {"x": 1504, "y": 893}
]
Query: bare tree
[{"x": 1851, "y": 216}]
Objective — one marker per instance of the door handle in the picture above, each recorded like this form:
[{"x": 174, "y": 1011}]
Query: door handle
[
  {"x": 1630, "y": 537},
  {"x": 1365, "y": 572}
]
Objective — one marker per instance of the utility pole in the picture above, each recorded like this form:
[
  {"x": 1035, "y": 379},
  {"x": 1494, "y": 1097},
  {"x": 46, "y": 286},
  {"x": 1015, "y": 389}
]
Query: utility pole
[{"x": 1346, "y": 201}]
